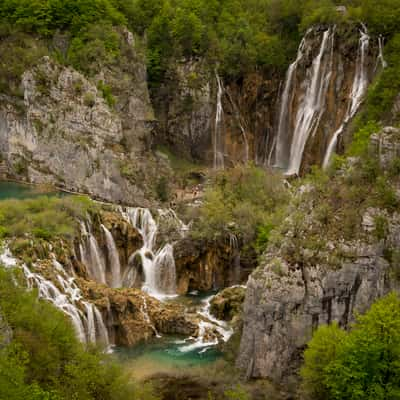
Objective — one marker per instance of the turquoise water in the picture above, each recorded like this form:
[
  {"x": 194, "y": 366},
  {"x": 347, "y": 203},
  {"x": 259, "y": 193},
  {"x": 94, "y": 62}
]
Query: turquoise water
[
  {"x": 11, "y": 190},
  {"x": 164, "y": 355}
]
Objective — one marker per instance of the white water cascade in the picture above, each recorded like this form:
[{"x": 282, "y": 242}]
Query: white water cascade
[
  {"x": 218, "y": 144},
  {"x": 91, "y": 254},
  {"x": 380, "y": 60},
  {"x": 89, "y": 326},
  {"x": 282, "y": 140},
  {"x": 292, "y": 139},
  {"x": 207, "y": 324},
  {"x": 359, "y": 88},
  {"x": 113, "y": 259},
  {"x": 312, "y": 107},
  {"x": 158, "y": 264}
]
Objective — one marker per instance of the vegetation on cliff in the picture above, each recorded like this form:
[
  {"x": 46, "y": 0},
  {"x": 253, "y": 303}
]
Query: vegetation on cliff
[
  {"x": 244, "y": 201},
  {"x": 360, "y": 364},
  {"x": 238, "y": 36}
]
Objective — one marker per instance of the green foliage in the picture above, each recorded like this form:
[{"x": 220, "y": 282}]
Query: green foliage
[
  {"x": 107, "y": 93},
  {"x": 43, "y": 217},
  {"x": 362, "y": 364},
  {"x": 45, "y": 361},
  {"x": 162, "y": 189},
  {"x": 241, "y": 201}
]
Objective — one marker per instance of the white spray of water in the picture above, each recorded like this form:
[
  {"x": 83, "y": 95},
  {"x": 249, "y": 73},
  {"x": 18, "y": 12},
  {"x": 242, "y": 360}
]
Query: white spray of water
[
  {"x": 218, "y": 139},
  {"x": 312, "y": 105},
  {"x": 158, "y": 265},
  {"x": 359, "y": 88},
  {"x": 113, "y": 259}
]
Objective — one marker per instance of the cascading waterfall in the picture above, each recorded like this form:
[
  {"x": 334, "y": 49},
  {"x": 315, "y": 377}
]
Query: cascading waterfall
[
  {"x": 88, "y": 325},
  {"x": 380, "y": 59},
  {"x": 113, "y": 259},
  {"x": 292, "y": 139},
  {"x": 312, "y": 107},
  {"x": 91, "y": 254},
  {"x": 282, "y": 139},
  {"x": 158, "y": 265},
  {"x": 359, "y": 88},
  {"x": 218, "y": 137}
]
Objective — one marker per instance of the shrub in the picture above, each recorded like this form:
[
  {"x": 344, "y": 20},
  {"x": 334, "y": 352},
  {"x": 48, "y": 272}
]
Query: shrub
[{"x": 361, "y": 364}]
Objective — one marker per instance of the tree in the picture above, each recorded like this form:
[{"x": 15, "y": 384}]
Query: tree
[{"x": 363, "y": 364}]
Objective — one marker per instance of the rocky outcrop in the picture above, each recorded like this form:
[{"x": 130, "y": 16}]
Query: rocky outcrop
[
  {"x": 203, "y": 265},
  {"x": 66, "y": 134},
  {"x": 227, "y": 304},
  {"x": 258, "y": 119},
  {"x": 186, "y": 107},
  {"x": 303, "y": 283},
  {"x": 132, "y": 316}
]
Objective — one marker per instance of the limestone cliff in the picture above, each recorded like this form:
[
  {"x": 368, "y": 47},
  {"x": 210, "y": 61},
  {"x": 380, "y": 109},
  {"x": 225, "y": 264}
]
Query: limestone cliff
[
  {"x": 310, "y": 276},
  {"x": 268, "y": 117},
  {"x": 64, "y": 132}
]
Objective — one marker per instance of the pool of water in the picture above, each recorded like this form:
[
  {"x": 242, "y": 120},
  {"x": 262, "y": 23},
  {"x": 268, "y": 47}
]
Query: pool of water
[
  {"x": 162, "y": 355},
  {"x": 12, "y": 190},
  {"x": 169, "y": 354}
]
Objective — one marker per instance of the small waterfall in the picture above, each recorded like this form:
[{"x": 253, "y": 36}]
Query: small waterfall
[
  {"x": 358, "y": 90},
  {"x": 158, "y": 265},
  {"x": 218, "y": 144},
  {"x": 312, "y": 105},
  {"x": 242, "y": 130},
  {"x": 113, "y": 259},
  {"x": 146, "y": 316},
  {"x": 91, "y": 255},
  {"x": 48, "y": 291},
  {"x": 67, "y": 299},
  {"x": 380, "y": 59},
  {"x": 208, "y": 323}
]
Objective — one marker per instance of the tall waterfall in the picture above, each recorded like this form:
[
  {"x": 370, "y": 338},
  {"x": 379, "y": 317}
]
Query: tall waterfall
[
  {"x": 218, "y": 143},
  {"x": 158, "y": 264},
  {"x": 291, "y": 140},
  {"x": 113, "y": 259},
  {"x": 282, "y": 141},
  {"x": 358, "y": 90}
]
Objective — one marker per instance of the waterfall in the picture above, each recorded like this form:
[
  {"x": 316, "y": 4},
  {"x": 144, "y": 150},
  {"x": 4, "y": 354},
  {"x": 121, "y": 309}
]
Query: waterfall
[
  {"x": 113, "y": 259},
  {"x": 380, "y": 60},
  {"x": 91, "y": 255},
  {"x": 67, "y": 298},
  {"x": 292, "y": 137},
  {"x": 282, "y": 139},
  {"x": 206, "y": 324},
  {"x": 158, "y": 265},
  {"x": 218, "y": 144},
  {"x": 312, "y": 105},
  {"x": 358, "y": 90}
]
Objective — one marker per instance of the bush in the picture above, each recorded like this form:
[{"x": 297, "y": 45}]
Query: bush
[
  {"x": 241, "y": 201},
  {"x": 361, "y": 364},
  {"x": 44, "y": 217}
]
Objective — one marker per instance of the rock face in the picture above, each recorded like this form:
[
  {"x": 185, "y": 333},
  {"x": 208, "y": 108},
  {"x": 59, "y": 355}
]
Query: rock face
[
  {"x": 287, "y": 300},
  {"x": 206, "y": 266},
  {"x": 65, "y": 133},
  {"x": 228, "y": 303},
  {"x": 132, "y": 316},
  {"x": 258, "y": 120}
]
